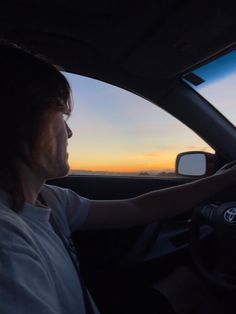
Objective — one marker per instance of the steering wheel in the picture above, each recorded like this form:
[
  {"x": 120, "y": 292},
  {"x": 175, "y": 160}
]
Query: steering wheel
[{"x": 222, "y": 218}]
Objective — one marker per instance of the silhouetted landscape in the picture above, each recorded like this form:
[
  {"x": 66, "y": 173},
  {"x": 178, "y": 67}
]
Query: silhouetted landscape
[{"x": 151, "y": 173}]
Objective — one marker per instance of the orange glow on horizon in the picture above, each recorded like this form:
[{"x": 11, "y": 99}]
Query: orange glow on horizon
[
  {"x": 146, "y": 161},
  {"x": 169, "y": 167}
]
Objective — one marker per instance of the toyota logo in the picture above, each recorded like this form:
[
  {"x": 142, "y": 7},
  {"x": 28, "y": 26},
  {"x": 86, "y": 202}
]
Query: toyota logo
[{"x": 230, "y": 215}]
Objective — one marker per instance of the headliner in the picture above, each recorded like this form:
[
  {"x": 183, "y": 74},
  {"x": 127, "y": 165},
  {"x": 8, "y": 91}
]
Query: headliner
[{"x": 129, "y": 44}]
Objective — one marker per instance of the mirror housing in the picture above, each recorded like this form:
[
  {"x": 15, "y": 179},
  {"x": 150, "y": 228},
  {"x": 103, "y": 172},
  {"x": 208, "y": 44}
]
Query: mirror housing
[{"x": 195, "y": 164}]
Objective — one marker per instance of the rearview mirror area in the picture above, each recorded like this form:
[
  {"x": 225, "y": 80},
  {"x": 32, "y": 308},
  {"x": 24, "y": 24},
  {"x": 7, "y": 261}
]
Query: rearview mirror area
[{"x": 195, "y": 164}]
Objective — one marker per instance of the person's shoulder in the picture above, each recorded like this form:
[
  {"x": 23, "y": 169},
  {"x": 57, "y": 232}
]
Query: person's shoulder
[
  {"x": 59, "y": 194},
  {"x": 53, "y": 193},
  {"x": 65, "y": 198},
  {"x": 53, "y": 189},
  {"x": 69, "y": 206}
]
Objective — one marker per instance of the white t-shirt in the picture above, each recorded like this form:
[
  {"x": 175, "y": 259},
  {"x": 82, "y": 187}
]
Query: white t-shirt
[{"x": 37, "y": 275}]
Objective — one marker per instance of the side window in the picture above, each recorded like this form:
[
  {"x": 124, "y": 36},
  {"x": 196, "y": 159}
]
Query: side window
[{"x": 118, "y": 133}]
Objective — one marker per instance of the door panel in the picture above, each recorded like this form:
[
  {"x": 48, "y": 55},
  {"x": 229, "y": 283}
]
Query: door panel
[{"x": 108, "y": 187}]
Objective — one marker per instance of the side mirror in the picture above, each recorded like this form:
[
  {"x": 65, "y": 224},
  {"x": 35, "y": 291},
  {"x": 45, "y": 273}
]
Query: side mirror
[{"x": 195, "y": 164}]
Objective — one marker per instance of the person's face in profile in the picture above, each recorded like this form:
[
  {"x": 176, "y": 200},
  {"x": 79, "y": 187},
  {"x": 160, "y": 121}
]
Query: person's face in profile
[{"x": 52, "y": 156}]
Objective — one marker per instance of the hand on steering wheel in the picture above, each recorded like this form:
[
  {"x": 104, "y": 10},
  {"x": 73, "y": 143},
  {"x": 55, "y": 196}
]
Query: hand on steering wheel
[{"x": 222, "y": 218}]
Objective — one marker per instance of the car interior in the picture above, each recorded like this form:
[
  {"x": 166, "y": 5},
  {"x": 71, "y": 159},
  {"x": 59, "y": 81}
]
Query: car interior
[{"x": 147, "y": 48}]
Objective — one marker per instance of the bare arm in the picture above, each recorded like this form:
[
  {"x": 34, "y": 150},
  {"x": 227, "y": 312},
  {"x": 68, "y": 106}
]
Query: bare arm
[{"x": 156, "y": 205}]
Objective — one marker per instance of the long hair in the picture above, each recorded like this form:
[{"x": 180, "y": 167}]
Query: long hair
[{"x": 29, "y": 86}]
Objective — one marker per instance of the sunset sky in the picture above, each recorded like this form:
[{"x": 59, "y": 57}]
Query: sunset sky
[{"x": 115, "y": 130}]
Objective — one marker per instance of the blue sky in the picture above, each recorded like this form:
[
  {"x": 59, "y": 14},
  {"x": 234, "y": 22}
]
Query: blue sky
[
  {"x": 219, "y": 87},
  {"x": 217, "y": 69}
]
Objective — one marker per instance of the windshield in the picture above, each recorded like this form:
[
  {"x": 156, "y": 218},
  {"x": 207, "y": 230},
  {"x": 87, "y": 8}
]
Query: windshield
[{"x": 216, "y": 82}]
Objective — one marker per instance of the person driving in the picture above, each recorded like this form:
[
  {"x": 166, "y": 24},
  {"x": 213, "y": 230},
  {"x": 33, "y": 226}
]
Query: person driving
[{"x": 38, "y": 271}]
